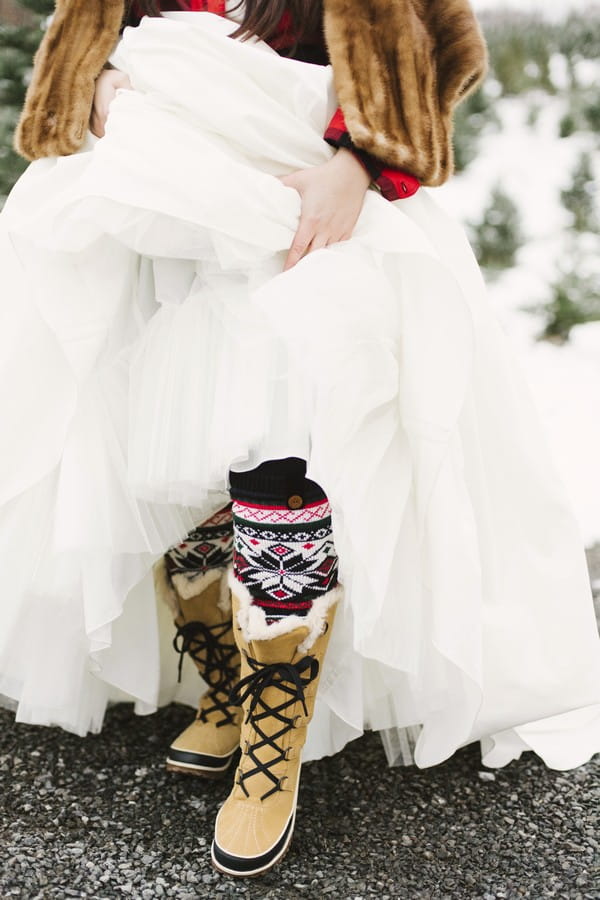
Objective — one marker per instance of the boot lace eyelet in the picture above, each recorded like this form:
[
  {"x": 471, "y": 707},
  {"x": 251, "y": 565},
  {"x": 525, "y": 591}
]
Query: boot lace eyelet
[
  {"x": 291, "y": 681},
  {"x": 214, "y": 657}
]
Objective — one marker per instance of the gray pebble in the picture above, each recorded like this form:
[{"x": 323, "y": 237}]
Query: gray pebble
[{"x": 113, "y": 823}]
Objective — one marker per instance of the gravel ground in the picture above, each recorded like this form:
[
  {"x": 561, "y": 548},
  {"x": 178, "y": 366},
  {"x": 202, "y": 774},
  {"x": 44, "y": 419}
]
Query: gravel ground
[{"x": 101, "y": 818}]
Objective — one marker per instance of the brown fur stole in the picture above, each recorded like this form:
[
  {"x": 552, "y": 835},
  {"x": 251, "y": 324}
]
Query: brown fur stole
[
  {"x": 400, "y": 68},
  {"x": 79, "y": 40}
]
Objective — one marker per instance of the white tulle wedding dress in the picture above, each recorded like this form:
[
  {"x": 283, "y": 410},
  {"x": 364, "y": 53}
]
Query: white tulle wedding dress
[{"x": 149, "y": 342}]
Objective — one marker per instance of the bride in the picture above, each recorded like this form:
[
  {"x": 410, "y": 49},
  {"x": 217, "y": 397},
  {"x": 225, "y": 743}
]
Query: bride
[{"x": 249, "y": 367}]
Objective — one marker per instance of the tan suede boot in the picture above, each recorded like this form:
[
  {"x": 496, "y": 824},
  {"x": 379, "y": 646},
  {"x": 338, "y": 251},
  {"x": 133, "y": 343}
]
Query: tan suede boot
[
  {"x": 202, "y": 612},
  {"x": 280, "y": 676}
]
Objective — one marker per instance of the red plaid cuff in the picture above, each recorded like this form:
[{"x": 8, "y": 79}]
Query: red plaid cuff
[{"x": 394, "y": 184}]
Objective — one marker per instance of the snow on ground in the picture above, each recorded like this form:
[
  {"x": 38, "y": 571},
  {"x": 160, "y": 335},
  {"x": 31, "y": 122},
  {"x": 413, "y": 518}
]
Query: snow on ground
[
  {"x": 550, "y": 9},
  {"x": 532, "y": 165}
]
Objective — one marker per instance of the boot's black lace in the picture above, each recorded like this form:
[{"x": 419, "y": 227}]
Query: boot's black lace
[
  {"x": 289, "y": 678},
  {"x": 205, "y": 645}
]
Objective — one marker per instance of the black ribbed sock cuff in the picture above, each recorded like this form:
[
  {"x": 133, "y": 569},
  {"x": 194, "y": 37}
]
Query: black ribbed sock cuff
[{"x": 274, "y": 483}]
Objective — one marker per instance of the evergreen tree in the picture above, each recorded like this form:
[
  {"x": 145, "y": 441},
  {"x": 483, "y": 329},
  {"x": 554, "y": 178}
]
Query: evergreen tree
[
  {"x": 591, "y": 111},
  {"x": 497, "y": 237},
  {"x": 520, "y": 47},
  {"x": 575, "y": 300},
  {"x": 579, "y": 198},
  {"x": 579, "y": 36},
  {"x": 567, "y": 125},
  {"x": 472, "y": 117},
  {"x": 17, "y": 47}
]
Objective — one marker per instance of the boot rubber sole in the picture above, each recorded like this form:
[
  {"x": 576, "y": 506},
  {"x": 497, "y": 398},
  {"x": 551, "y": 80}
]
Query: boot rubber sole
[
  {"x": 257, "y": 865},
  {"x": 203, "y": 764}
]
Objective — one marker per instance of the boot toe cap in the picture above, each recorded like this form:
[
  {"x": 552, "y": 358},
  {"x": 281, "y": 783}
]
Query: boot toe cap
[
  {"x": 205, "y": 737},
  {"x": 251, "y": 836},
  {"x": 203, "y": 748}
]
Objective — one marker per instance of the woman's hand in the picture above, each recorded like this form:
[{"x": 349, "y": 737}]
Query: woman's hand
[
  {"x": 332, "y": 197},
  {"x": 107, "y": 84}
]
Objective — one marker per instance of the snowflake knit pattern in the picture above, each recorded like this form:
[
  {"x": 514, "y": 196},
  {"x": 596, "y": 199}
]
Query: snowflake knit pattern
[
  {"x": 208, "y": 546},
  {"x": 285, "y": 557}
]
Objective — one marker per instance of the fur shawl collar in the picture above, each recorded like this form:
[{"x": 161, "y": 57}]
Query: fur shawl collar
[{"x": 400, "y": 68}]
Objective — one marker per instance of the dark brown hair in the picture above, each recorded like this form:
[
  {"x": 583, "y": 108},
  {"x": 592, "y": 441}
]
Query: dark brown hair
[{"x": 262, "y": 17}]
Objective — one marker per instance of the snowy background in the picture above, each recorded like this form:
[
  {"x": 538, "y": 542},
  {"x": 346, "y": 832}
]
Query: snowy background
[
  {"x": 520, "y": 150},
  {"x": 554, "y": 9}
]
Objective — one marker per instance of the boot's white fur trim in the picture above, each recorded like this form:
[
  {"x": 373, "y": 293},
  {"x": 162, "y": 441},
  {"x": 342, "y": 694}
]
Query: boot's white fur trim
[
  {"x": 188, "y": 588},
  {"x": 253, "y": 622},
  {"x": 191, "y": 587},
  {"x": 224, "y": 601},
  {"x": 171, "y": 589},
  {"x": 163, "y": 586}
]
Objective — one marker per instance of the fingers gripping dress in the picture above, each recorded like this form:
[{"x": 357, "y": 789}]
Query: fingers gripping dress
[{"x": 149, "y": 342}]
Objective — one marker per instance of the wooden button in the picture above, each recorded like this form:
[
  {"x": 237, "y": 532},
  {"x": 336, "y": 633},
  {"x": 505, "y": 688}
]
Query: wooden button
[{"x": 295, "y": 501}]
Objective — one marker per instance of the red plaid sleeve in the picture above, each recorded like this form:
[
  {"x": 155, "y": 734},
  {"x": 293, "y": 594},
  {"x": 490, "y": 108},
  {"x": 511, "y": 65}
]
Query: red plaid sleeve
[{"x": 394, "y": 184}]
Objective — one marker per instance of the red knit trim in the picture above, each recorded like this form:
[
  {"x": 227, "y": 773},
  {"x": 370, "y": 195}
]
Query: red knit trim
[
  {"x": 281, "y": 604},
  {"x": 280, "y": 506}
]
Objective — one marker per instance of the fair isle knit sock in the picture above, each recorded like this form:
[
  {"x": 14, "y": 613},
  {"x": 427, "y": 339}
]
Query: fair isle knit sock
[
  {"x": 283, "y": 550},
  {"x": 207, "y": 546}
]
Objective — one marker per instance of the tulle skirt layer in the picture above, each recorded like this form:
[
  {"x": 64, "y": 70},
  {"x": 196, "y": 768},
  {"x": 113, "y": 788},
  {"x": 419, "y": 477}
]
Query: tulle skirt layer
[{"x": 150, "y": 342}]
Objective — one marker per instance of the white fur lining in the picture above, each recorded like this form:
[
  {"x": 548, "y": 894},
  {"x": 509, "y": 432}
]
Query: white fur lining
[
  {"x": 224, "y": 601},
  {"x": 188, "y": 588},
  {"x": 253, "y": 622},
  {"x": 191, "y": 587},
  {"x": 169, "y": 590}
]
